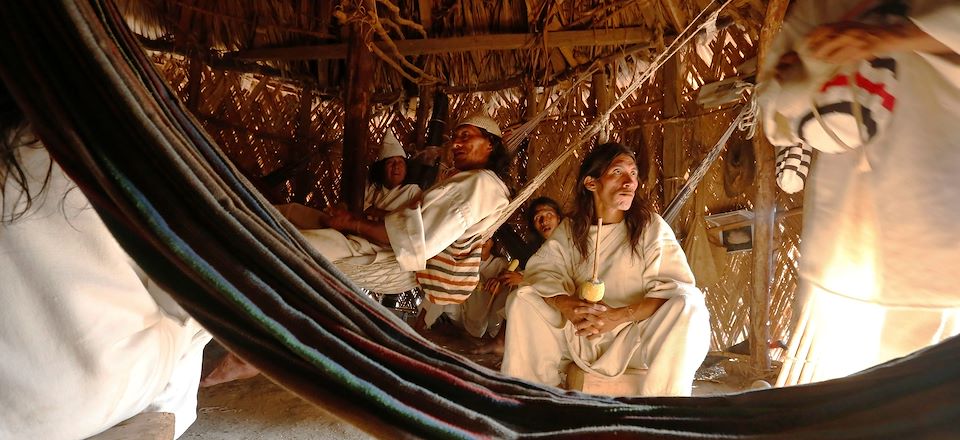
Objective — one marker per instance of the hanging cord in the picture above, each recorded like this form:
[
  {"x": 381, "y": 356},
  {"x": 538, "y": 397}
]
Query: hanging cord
[
  {"x": 603, "y": 118},
  {"x": 857, "y": 115},
  {"x": 742, "y": 121}
]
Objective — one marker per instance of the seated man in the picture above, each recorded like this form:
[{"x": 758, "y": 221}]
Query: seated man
[
  {"x": 456, "y": 209},
  {"x": 449, "y": 219},
  {"x": 652, "y": 315}
]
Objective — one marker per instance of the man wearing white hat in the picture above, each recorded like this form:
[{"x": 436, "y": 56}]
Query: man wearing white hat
[
  {"x": 385, "y": 190},
  {"x": 434, "y": 242}
]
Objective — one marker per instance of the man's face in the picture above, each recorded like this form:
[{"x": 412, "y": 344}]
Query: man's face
[
  {"x": 396, "y": 171},
  {"x": 545, "y": 220},
  {"x": 471, "y": 150},
  {"x": 616, "y": 187}
]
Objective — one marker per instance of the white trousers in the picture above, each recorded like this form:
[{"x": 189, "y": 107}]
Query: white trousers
[{"x": 670, "y": 345}]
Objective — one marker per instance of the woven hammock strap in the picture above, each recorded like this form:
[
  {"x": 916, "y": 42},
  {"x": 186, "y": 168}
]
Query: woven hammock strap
[
  {"x": 673, "y": 209},
  {"x": 600, "y": 122}
]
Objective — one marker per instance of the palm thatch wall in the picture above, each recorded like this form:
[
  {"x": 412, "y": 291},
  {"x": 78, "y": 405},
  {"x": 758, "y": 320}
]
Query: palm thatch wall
[{"x": 270, "y": 82}]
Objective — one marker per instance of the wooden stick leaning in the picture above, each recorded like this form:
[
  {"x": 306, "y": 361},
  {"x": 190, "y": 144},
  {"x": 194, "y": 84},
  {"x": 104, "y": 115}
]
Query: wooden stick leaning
[
  {"x": 596, "y": 251},
  {"x": 592, "y": 290}
]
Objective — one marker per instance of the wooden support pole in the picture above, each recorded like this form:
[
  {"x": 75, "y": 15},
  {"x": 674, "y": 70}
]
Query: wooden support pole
[
  {"x": 303, "y": 145},
  {"x": 530, "y": 110},
  {"x": 764, "y": 209},
  {"x": 356, "y": 124},
  {"x": 600, "y": 92},
  {"x": 674, "y": 151},
  {"x": 424, "y": 107}
]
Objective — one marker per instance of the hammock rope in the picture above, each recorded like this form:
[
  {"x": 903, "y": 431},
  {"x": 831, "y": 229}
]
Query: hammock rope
[
  {"x": 745, "y": 121},
  {"x": 602, "y": 120},
  {"x": 196, "y": 226}
]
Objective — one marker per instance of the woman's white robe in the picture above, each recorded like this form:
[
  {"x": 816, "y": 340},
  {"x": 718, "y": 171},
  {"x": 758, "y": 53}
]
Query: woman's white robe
[
  {"x": 671, "y": 344},
  {"x": 84, "y": 343}
]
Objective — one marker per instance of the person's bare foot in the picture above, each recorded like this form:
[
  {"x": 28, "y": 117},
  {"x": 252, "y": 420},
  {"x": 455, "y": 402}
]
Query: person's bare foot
[
  {"x": 231, "y": 368},
  {"x": 493, "y": 346}
]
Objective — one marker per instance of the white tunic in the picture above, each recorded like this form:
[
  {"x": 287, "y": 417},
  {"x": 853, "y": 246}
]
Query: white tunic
[
  {"x": 84, "y": 345},
  {"x": 671, "y": 344},
  {"x": 463, "y": 205},
  {"x": 881, "y": 241}
]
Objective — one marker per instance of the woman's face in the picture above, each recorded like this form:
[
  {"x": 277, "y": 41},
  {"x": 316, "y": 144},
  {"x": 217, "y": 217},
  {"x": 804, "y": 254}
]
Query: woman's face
[
  {"x": 396, "y": 170},
  {"x": 471, "y": 149}
]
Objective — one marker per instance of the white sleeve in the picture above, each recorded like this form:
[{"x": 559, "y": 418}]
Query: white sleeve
[
  {"x": 941, "y": 20},
  {"x": 445, "y": 214},
  {"x": 666, "y": 273}
]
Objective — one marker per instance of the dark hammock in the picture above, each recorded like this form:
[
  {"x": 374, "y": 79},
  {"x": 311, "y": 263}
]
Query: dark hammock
[{"x": 186, "y": 214}]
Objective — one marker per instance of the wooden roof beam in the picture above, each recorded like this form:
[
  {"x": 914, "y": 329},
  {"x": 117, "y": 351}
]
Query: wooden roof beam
[{"x": 558, "y": 39}]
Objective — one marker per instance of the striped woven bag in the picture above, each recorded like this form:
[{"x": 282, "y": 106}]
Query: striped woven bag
[{"x": 451, "y": 275}]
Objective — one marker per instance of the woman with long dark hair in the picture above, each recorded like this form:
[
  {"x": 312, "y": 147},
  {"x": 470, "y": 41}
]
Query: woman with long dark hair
[
  {"x": 85, "y": 342},
  {"x": 651, "y": 317}
]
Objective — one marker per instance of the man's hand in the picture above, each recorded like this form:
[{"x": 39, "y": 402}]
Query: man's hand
[
  {"x": 373, "y": 213},
  {"x": 342, "y": 220},
  {"x": 303, "y": 217},
  {"x": 511, "y": 279},
  {"x": 847, "y": 41}
]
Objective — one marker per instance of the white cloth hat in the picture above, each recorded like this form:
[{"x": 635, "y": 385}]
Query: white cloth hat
[
  {"x": 390, "y": 147},
  {"x": 483, "y": 121}
]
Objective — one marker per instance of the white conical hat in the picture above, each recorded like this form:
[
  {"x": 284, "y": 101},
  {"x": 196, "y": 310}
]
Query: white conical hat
[
  {"x": 483, "y": 121},
  {"x": 390, "y": 147}
]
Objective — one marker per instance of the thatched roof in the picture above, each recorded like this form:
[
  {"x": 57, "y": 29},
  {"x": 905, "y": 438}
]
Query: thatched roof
[
  {"x": 469, "y": 44},
  {"x": 270, "y": 82}
]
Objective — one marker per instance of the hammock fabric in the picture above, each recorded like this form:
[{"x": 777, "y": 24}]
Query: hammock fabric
[{"x": 178, "y": 206}]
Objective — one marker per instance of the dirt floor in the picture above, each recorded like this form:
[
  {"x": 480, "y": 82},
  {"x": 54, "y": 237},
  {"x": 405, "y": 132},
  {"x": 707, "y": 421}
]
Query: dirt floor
[{"x": 258, "y": 409}]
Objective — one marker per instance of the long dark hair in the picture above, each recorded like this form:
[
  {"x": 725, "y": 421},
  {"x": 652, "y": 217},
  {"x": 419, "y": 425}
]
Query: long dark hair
[
  {"x": 12, "y": 124},
  {"x": 584, "y": 212},
  {"x": 499, "y": 160}
]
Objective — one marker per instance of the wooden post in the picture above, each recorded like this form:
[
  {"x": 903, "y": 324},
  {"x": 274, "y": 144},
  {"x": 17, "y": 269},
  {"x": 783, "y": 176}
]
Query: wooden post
[
  {"x": 674, "y": 152},
  {"x": 764, "y": 205},
  {"x": 303, "y": 147},
  {"x": 531, "y": 108},
  {"x": 424, "y": 106},
  {"x": 600, "y": 91},
  {"x": 194, "y": 77},
  {"x": 356, "y": 124}
]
